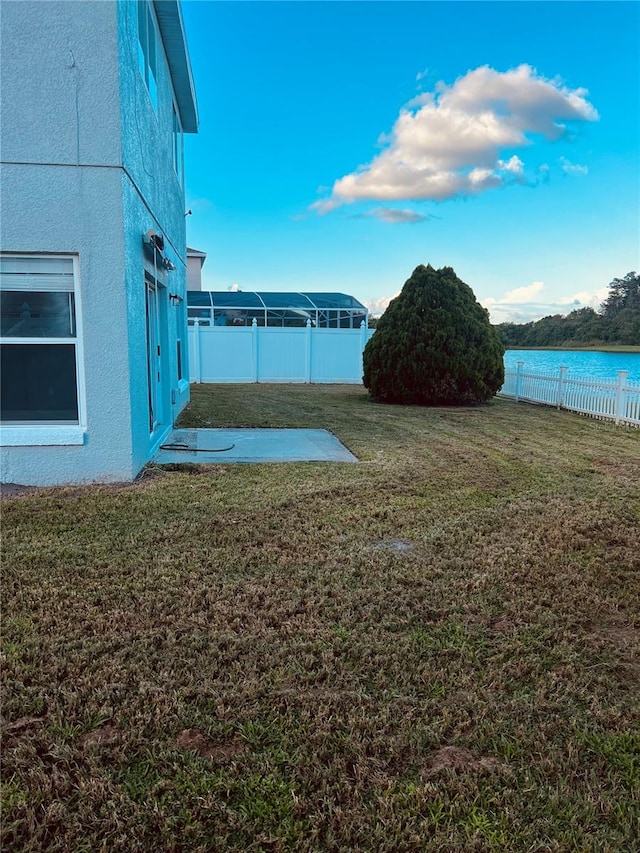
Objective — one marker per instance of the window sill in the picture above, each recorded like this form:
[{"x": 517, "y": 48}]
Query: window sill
[{"x": 31, "y": 436}]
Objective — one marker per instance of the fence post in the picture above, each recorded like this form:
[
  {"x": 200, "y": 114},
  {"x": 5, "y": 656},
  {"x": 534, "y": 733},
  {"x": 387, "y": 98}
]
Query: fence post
[
  {"x": 519, "y": 380},
  {"x": 307, "y": 351},
  {"x": 363, "y": 336},
  {"x": 621, "y": 395},
  {"x": 561, "y": 381},
  {"x": 197, "y": 367},
  {"x": 254, "y": 350}
]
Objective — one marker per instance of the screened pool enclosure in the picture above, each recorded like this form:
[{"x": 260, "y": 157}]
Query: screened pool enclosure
[{"x": 286, "y": 310}]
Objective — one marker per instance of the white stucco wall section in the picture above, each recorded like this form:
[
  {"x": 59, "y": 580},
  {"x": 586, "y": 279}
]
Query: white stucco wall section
[
  {"x": 100, "y": 447},
  {"x": 87, "y": 169},
  {"x": 59, "y": 93}
]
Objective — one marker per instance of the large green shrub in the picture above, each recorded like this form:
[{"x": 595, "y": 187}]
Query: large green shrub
[{"x": 434, "y": 345}]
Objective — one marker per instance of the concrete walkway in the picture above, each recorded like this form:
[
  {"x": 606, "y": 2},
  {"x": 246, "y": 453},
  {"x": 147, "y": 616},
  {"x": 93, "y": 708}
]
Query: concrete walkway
[{"x": 220, "y": 446}]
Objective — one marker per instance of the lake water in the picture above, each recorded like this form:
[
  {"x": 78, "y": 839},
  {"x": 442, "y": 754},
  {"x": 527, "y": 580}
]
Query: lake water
[{"x": 602, "y": 365}]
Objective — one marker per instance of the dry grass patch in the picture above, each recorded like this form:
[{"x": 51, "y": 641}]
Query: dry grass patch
[
  {"x": 195, "y": 740},
  {"x": 435, "y": 649},
  {"x": 457, "y": 760}
]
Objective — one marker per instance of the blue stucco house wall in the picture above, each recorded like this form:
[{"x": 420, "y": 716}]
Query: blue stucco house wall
[{"x": 95, "y": 97}]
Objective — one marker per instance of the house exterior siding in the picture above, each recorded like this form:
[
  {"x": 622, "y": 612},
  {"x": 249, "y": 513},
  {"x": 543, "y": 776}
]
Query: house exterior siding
[
  {"x": 195, "y": 262},
  {"x": 87, "y": 169}
]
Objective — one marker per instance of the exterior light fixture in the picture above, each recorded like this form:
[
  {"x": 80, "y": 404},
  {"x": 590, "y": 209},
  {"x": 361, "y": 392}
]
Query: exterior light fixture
[
  {"x": 154, "y": 245},
  {"x": 153, "y": 239}
]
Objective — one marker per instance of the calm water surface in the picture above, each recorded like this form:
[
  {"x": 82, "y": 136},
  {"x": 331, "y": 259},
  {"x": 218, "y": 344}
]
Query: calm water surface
[{"x": 604, "y": 365}]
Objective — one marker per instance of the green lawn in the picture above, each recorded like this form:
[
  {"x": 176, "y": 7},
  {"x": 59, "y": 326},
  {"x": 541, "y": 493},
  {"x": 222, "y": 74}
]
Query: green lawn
[{"x": 436, "y": 649}]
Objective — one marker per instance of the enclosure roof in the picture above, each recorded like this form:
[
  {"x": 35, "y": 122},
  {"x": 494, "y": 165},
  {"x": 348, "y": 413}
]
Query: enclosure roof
[{"x": 263, "y": 299}]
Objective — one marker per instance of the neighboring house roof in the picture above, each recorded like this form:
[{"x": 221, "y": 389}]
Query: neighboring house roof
[
  {"x": 196, "y": 253},
  {"x": 171, "y": 25}
]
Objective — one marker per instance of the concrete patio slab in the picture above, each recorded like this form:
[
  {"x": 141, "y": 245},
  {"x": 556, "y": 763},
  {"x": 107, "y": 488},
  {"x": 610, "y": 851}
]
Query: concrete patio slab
[{"x": 221, "y": 446}]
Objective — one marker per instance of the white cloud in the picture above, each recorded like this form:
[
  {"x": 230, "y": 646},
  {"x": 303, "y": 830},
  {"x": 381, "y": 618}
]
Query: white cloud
[
  {"x": 519, "y": 296},
  {"x": 587, "y": 298},
  {"x": 380, "y": 305},
  {"x": 524, "y": 304},
  {"x": 513, "y": 164},
  {"x": 570, "y": 168},
  {"x": 520, "y": 305},
  {"x": 451, "y": 142},
  {"x": 395, "y": 216}
]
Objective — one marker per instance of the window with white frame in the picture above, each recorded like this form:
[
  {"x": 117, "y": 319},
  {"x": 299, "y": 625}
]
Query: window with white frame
[
  {"x": 178, "y": 147},
  {"x": 147, "y": 52},
  {"x": 39, "y": 360}
]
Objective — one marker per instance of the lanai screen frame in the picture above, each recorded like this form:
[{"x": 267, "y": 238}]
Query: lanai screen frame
[{"x": 275, "y": 309}]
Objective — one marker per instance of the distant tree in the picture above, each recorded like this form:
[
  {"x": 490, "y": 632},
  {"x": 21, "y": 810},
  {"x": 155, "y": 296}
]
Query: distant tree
[
  {"x": 434, "y": 345},
  {"x": 624, "y": 293},
  {"x": 627, "y": 327},
  {"x": 511, "y": 334},
  {"x": 617, "y": 323},
  {"x": 546, "y": 332},
  {"x": 583, "y": 326}
]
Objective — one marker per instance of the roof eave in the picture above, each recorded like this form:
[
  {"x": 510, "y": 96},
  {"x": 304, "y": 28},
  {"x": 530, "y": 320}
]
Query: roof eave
[
  {"x": 196, "y": 253},
  {"x": 169, "y": 15}
]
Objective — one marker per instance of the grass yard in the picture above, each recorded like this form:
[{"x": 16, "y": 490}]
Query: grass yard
[{"x": 437, "y": 649}]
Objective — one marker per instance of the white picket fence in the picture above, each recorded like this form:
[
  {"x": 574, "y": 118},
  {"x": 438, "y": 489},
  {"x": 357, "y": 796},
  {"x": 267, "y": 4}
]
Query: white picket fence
[
  {"x": 617, "y": 400},
  {"x": 272, "y": 354}
]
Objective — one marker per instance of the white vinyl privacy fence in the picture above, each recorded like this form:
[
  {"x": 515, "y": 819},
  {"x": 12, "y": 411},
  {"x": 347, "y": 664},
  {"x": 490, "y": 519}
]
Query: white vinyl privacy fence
[
  {"x": 272, "y": 354},
  {"x": 617, "y": 400}
]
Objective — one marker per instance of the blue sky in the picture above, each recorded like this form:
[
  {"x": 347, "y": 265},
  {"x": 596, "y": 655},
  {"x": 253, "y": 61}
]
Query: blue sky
[{"x": 341, "y": 144}]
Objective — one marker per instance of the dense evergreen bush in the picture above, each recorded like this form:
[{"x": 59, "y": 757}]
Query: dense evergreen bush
[{"x": 434, "y": 345}]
